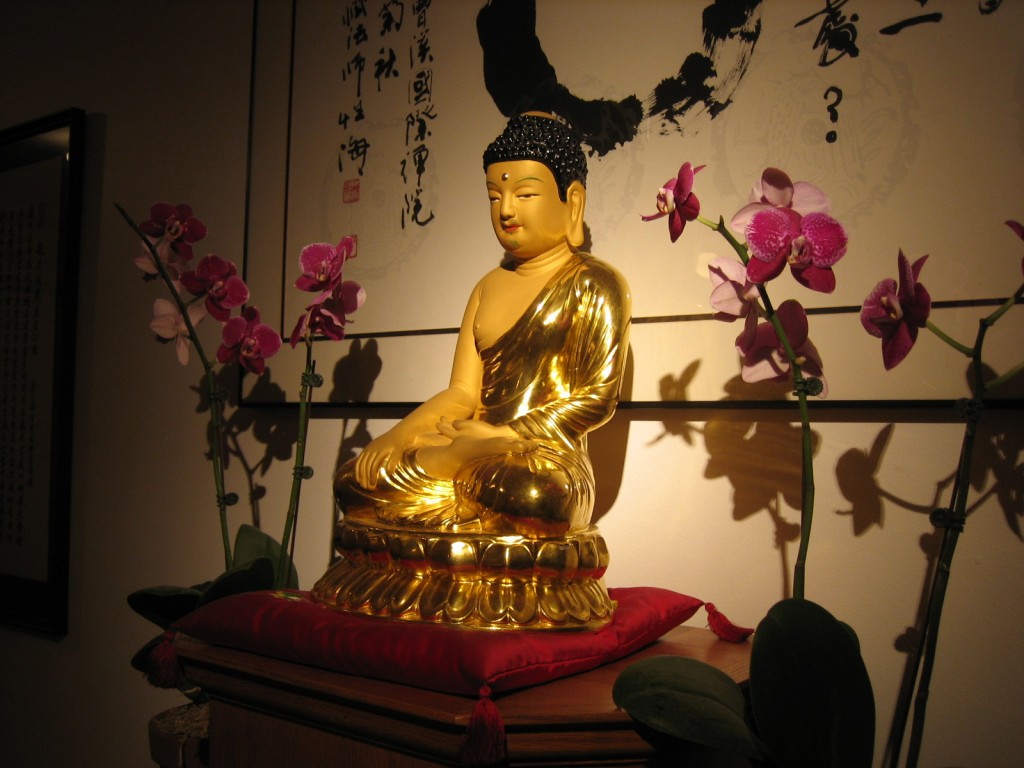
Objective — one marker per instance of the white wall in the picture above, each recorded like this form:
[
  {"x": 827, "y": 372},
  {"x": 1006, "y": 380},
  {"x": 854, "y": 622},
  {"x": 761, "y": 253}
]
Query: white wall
[{"x": 166, "y": 88}]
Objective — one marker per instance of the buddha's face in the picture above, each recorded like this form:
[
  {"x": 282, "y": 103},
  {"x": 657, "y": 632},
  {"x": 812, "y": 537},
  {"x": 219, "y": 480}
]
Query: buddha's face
[{"x": 527, "y": 214}]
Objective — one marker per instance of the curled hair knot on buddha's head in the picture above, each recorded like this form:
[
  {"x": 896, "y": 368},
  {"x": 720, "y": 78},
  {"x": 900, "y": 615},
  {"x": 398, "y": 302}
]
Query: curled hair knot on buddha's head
[{"x": 547, "y": 139}]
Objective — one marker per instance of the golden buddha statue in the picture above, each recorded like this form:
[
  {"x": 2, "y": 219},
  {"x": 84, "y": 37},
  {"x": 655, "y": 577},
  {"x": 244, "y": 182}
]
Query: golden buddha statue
[{"x": 475, "y": 509}]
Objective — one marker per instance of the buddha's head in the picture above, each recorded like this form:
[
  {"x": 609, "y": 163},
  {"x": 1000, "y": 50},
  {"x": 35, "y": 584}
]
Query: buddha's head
[{"x": 536, "y": 181}]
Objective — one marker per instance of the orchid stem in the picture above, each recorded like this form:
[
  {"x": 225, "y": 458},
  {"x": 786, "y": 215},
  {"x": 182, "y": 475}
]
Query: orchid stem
[
  {"x": 961, "y": 348},
  {"x": 215, "y": 436},
  {"x": 1005, "y": 306},
  {"x": 720, "y": 228},
  {"x": 952, "y": 522},
  {"x": 989, "y": 322},
  {"x": 1010, "y": 374},
  {"x": 807, "y": 497},
  {"x": 300, "y": 471},
  {"x": 806, "y": 442},
  {"x": 953, "y": 526},
  {"x": 806, "y": 445}
]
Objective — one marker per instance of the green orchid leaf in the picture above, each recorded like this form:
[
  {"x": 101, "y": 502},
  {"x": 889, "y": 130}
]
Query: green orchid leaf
[
  {"x": 164, "y": 605},
  {"x": 253, "y": 576},
  {"x": 686, "y": 699},
  {"x": 252, "y": 543},
  {"x": 852, "y": 633},
  {"x": 809, "y": 689}
]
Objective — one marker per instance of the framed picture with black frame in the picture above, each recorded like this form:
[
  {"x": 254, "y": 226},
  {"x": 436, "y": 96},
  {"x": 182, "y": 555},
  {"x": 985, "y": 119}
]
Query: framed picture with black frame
[{"x": 41, "y": 168}]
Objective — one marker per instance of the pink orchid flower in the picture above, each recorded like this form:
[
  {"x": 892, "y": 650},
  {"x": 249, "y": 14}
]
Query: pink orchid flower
[
  {"x": 248, "y": 341},
  {"x": 733, "y": 295},
  {"x": 895, "y": 313},
  {"x": 776, "y": 190},
  {"x": 764, "y": 358},
  {"x": 169, "y": 325},
  {"x": 167, "y": 256},
  {"x": 218, "y": 280},
  {"x": 810, "y": 244},
  {"x": 677, "y": 201},
  {"x": 176, "y": 225},
  {"x": 322, "y": 264},
  {"x": 327, "y": 315}
]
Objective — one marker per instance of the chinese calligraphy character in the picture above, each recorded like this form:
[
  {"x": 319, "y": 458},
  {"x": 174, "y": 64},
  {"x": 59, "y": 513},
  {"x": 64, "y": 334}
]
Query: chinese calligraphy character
[
  {"x": 389, "y": 20},
  {"x": 417, "y": 123},
  {"x": 355, "y": 10},
  {"x": 357, "y": 36},
  {"x": 423, "y": 53},
  {"x": 420, "y": 154},
  {"x": 837, "y": 36},
  {"x": 892, "y": 29},
  {"x": 384, "y": 68},
  {"x": 415, "y": 205},
  {"x": 356, "y": 64},
  {"x": 421, "y": 87},
  {"x": 356, "y": 149}
]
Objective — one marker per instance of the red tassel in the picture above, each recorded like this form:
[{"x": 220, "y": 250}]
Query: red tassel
[
  {"x": 485, "y": 734},
  {"x": 162, "y": 667},
  {"x": 724, "y": 628}
]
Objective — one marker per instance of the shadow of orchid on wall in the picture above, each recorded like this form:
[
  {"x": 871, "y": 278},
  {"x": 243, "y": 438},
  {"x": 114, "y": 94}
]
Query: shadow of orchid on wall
[
  {"x": 740, "y": 445},
  {"x": 275, "y": 433},
  {"x": 354, "y": 377},
  {"x": 673, "y": 389},
  {"x": 272, "y": 425},
  {"x": 996, "y": 472},
  {"x": 857, "y": 476},
  {"x": 272, "y": 428}
]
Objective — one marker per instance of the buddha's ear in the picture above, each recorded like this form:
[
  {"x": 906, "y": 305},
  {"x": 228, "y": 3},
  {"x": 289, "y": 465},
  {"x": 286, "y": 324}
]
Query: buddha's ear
[{"x": 576, "y": 199}]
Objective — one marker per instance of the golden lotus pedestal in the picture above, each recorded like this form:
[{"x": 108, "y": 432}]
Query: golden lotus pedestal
[{"x": 469, "y": 579}]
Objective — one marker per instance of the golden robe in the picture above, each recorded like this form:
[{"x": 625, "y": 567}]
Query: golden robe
[{"x": 553, "y": 377}]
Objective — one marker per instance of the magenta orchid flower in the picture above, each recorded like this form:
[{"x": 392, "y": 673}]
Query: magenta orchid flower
[
  {"x": 895, "y": 313},
  {"x": 776, "y": 190},
  {"x": 810, "y": 244},
  {"x": 217, "y": 279},
  {"x": 169, "y": 325},
  {"x": 677, "y": 201},
  {"x": 328, "y": 315},
  {"x": 764, "y": 357},
  {"x": 176, "y": 225},
  {"x": 322, "y": 264},
  {"x": 248, "y": 341}
]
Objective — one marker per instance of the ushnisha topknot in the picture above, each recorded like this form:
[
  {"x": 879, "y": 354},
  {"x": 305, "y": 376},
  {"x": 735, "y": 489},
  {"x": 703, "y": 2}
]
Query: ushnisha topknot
[{"x": 546, "y": 139}]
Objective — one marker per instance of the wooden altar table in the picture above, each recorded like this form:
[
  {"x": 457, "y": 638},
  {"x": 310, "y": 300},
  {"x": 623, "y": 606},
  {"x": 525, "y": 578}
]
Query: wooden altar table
[{"x": 269, "y": 712}]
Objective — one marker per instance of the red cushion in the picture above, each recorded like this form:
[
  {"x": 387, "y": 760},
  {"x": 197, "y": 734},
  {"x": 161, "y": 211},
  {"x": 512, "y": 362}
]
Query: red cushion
[{"x": 289, "y": 625}]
